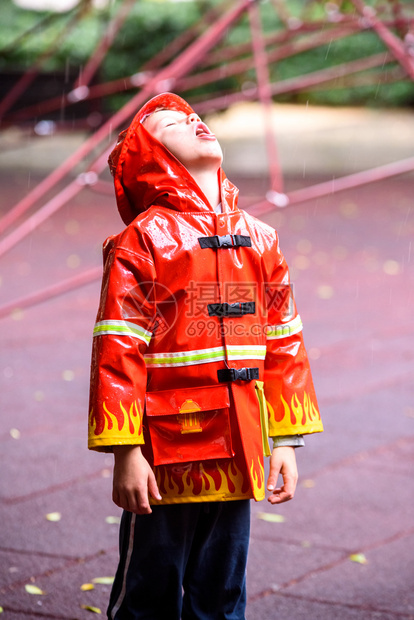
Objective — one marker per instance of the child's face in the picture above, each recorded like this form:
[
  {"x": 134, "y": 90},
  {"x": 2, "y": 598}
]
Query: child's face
[{"x": 186, "y": 137}]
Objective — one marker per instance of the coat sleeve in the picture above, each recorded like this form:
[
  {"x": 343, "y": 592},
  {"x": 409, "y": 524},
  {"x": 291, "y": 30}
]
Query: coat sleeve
[
  {"x": 288, "y": 386},
  {"x": 120, "y": 338}
]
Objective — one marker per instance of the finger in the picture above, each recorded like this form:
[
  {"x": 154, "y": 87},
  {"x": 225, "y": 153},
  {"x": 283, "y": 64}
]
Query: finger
[
  {"x": 115, "y": 497},
  {"x": 273, "y": 476},
  {"x": 121, "y": 500},
  {"x": 284, "y": 493},
  {"x": 153, "y": 487},
  {"x": 289, "y": 485},
  {"x": 141, "y": 501},
  {"x": 279, "y": 496},
  {"x": 272, "y": 481},
  {"x": 144, "y": 509}
]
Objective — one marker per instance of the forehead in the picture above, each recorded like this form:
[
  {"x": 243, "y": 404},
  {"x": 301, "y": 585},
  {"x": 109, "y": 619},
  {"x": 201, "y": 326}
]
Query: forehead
[{"x": 156, "y": 118}]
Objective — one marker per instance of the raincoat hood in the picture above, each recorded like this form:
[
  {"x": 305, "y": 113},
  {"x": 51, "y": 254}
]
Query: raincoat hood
[{"x": 145, "y": 172}]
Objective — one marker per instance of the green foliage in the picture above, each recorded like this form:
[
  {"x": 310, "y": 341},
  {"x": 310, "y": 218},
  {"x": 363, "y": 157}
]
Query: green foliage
[
  {"x": 153, "y": 24},
  {"x": 150, "y": 27}
]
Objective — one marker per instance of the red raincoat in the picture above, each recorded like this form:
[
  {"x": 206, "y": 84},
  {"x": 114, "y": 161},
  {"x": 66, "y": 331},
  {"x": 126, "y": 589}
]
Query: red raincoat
[{"x": 198, "y": 353}]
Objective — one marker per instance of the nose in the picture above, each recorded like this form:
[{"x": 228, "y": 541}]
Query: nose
[{"x": 193, "y": 118}]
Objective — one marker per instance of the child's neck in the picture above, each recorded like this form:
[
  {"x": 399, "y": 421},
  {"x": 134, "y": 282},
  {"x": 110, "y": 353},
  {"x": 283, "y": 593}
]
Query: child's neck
[{"x": 207, "y": 180}]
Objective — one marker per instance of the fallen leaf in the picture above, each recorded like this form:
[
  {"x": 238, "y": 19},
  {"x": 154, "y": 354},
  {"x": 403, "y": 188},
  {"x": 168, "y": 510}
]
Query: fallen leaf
[
  {"x": 31, "y": 589},
  {"x": 308, "y": 483},
  {"x": 1, "y": 610},
  {"x": 113, "y": 519},
  {"x": 270, "y": 517},
  {"x": 53, "y": 516},
  {"x": 87, "y": 586},
  {"x": 359, "y": 558},
  {"x": 94, "y": 610},
  {"x": 103, "y": 580},
  {"x": 17, "y": 314}
]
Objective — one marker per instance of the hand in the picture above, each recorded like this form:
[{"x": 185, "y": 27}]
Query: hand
[
  {"x": 133, "y": 481},
  {"x": 282, "y": 461}
]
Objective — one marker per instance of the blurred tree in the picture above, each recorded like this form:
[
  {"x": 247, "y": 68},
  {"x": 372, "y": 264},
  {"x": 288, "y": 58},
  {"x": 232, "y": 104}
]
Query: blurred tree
[{"x": 153, "y": 24}]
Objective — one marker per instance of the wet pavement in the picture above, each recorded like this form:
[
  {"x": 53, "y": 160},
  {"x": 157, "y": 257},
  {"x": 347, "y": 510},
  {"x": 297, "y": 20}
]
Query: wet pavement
[{"x": 343, "y": 549}]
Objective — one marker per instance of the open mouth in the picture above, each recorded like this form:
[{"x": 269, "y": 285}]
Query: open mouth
[{"x": 203, "y": 132}]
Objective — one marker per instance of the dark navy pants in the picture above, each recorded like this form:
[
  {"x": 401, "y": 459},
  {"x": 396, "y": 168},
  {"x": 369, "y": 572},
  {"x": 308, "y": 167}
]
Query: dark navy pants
[{"x": 183, "y": 561}]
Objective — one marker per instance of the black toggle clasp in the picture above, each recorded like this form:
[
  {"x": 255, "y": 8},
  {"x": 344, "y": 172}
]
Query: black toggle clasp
[
  {"x": 236, "y": 309},
  {"x": 225, "y": 241},
  {"x": 237, "y": 374}
]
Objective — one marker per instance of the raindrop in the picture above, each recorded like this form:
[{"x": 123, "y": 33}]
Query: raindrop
[
  {"x": 248, "y": 88},
  {"x": 24, "y": 268},
  {"x": 94, "y": 119},
  {"x": 340, "y": 252},
  {"x": 409, "y": 412},
  {"x": 304, "y": 246},
  {"x": 349, "y": 209},
  {"x": 67, "y": 71},
  {"x": 294, "y": 23},
  {"x": 45, "y": 128},
  {"x": 371, "y": 264},
  {"x": 139, "y": 79},
  {"x": 73, "y": 261},
  {"x": 68, "y": 375},
  {"x": 8, "y": 372},
  {"x": 314, "y": 353},
  {"x": 328, "y": 50},
  {"x": 333, "y": 12},
  {"x": 391, "y": 267},
  {"x": 321, "y": 258},
  {"x": 87, "y": 178},
  {"x": 301, "y": 262},
  {"x": 78, "y": 94},
  {"x": 278, "y": 199},
  {"x": 298, "y": 222},
  {"x": 72, "y": 227},
  {"x": 325, "y": 291},
  {"x": 17, "y": 314}
]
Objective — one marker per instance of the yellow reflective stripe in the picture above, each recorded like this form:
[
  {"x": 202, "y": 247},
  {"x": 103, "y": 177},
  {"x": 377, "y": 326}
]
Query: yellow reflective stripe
[
  {"x": 204, "y": 356},
  {"x": 122, "y": 328},
  {"x": 264, "y": 417},
  {"x": 242, "y": 352},
  {"x": 284, "y": 329},
  {"x": 184, "y": 358}
]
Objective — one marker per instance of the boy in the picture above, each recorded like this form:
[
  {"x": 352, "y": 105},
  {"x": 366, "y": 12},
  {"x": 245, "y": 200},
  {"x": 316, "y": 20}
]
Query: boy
[{"x": 197, "y": 361}]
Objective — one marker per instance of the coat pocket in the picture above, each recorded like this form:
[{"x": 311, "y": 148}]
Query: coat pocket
[{"x": 189, "y": 424}]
